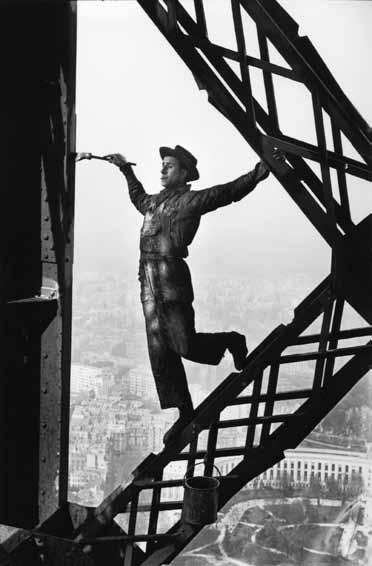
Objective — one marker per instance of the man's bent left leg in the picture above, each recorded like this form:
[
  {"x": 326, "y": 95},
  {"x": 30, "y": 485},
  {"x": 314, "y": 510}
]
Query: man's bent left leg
[{"x": 204, "y": 348}]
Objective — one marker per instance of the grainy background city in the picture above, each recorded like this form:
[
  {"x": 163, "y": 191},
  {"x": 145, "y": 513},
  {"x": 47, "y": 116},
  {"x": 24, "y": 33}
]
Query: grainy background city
[{"x": 251, "y": 265}]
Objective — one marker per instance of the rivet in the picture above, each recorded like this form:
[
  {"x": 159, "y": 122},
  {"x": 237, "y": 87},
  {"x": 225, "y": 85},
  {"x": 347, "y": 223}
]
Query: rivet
[
  {"x": 45, "y": 390},
  {"x": 46, "y": 218},
  {"x": 46, "y": 237},
  {"x": 43, "y": 459},
  {"x": 44, "y": 425},
  {"x": 45, "y": 356}
]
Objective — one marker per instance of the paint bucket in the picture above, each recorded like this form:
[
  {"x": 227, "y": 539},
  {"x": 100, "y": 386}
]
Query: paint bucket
[{"x": 200, "y": 501}]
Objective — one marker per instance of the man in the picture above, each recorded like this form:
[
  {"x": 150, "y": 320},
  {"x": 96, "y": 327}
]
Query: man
[{"x": 171, "y": 219}]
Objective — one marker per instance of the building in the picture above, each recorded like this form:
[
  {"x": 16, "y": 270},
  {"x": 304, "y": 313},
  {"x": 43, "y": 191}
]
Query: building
[
  {"x": 141, "y": 383},
  {"x": 86, "y": 378},
  {"x": 304, "y": 465}
]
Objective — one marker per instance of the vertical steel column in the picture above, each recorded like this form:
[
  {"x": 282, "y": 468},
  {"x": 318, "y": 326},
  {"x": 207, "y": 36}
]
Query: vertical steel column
[
  {"x": 255, "y": 403},
  {"x": 172, "y": 15},
  {"x": 324, "y": 166},
  {"x": 38, "y": 45},
  {"x": 323, "y": 341},
  {"x": 244, "y": 70},
  {"x": 333, "y": 340},
  {"x": 200, "y": 17},
  {"x": 57, "y": 259},
  {"x": 268, "y": 82},
  {"x": 270, "y": 402},
  {"x": 341, "y": 175},
  {"x": 211, "y": 446}
]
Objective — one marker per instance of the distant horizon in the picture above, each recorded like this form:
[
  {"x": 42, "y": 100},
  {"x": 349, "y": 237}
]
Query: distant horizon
[{"x": 252, "y": 264}]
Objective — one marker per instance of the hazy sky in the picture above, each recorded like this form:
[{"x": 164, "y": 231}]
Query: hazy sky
[{"x": 134, "y": 94}]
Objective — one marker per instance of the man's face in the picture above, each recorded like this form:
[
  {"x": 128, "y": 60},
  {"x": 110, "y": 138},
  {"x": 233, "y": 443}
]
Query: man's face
[{"x": 172, "y": 174}]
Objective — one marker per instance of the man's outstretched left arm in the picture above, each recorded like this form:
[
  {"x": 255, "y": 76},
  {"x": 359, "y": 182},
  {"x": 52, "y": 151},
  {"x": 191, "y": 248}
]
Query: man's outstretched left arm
[{"x": 210, "y": 199}]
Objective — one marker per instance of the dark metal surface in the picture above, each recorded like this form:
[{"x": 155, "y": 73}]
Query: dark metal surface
[{"x": 37, "y": 112}]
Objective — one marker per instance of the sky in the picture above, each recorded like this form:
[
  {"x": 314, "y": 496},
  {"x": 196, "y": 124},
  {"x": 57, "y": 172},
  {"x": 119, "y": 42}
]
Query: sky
[{"x": 134, "y": 95}]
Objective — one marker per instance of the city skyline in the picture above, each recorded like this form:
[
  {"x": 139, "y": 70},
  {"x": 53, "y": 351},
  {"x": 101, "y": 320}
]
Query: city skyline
[
  {"x": 253, "y": 262},
  {"x": 111, "y": 349}
]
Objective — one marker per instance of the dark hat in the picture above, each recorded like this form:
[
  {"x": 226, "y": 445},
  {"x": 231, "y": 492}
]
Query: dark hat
[{"x": 186, "y": 159}]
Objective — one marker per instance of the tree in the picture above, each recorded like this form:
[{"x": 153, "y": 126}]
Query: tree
[
  {"x": 355, "y": 487},
  {"x": 286, "y": 486},
  {"x": 333, "y": 489},
  {"x": 315, "y": 488}
]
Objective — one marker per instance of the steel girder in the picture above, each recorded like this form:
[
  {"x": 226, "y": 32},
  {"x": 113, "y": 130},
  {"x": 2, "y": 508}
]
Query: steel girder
[
  {"x": 243, "y": 420},
  {"x": 232, "y": 94}
]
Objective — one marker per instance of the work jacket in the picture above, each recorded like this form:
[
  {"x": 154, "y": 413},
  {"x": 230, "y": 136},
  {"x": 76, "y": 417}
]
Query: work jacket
[{"x": 171, "y": 219}]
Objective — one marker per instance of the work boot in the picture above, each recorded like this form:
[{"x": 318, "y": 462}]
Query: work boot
[
  {"x": 237, "y": 346},
  {"x": 186, "y": 414}
]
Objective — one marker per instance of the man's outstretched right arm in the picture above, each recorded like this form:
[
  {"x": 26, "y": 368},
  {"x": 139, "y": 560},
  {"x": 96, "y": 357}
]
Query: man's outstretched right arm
[{"x": 137, "y": 193}]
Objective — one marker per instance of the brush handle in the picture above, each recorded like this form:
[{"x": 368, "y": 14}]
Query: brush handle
[{"x": 81, "y": 156}]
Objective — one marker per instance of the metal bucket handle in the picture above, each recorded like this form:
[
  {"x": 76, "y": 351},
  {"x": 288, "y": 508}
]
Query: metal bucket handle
[{"x": 185, "y": 477}]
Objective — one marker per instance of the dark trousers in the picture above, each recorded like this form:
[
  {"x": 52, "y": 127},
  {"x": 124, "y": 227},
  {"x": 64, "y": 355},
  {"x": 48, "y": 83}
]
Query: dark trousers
[
  {"x": 167, "y": 295},
  {"x": 170, "y": 328}
]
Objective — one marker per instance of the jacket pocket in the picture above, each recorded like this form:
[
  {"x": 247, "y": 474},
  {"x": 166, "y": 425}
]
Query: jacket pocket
[{"x": 151, "y": 226}]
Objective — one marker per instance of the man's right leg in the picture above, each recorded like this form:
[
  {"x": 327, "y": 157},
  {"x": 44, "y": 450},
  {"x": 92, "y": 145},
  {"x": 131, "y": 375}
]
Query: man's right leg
[
  {"x": 166, "y": 364},
  {"x": 168, "y": 371}
]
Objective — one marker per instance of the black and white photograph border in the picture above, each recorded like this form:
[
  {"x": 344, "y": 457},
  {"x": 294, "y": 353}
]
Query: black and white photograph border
[{"x": 247, "y": 121}]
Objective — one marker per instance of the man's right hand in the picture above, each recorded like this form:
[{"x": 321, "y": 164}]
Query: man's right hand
[{"x": 116, "y": 159}]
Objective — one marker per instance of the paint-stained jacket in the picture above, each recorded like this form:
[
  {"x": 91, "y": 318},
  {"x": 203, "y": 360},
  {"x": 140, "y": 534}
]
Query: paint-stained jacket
[{"x": 171, "y": 219}]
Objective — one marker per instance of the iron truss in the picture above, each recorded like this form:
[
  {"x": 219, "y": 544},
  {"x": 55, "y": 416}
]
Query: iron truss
[{"x": 252, "y": 417}]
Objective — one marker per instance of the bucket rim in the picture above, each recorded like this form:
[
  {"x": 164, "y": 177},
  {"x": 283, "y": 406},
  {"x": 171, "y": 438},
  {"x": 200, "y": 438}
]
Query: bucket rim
[
  {"x": 213, "y": 478},
  {"x": 200, "y": 464}
]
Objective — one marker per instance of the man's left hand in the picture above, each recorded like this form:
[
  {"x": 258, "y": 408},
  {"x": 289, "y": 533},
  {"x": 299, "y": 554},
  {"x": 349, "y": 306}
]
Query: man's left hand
[
  {"x": 264, "y": 170},
  {"x": 278, "y": 155}
]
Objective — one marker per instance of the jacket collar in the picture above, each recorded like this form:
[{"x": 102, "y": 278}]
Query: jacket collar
[{"x": 166, "y": 193}]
